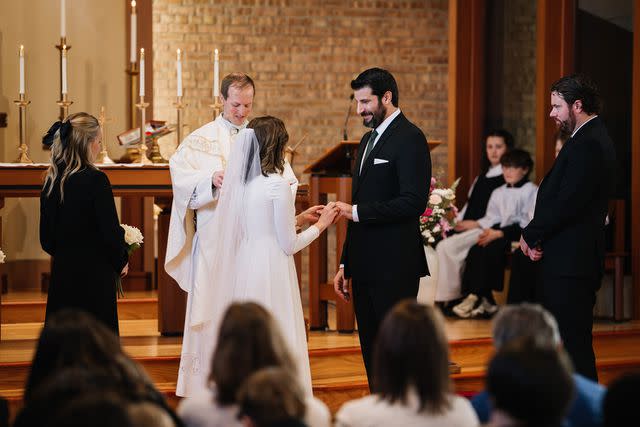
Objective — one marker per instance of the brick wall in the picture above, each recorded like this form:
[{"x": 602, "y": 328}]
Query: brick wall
[
  {"x": 519, "y": 95},
  {"x": 302, "y": 55}
]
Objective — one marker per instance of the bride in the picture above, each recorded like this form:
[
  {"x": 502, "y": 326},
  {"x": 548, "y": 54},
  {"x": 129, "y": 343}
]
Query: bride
[{"x": 252, "y": 258}]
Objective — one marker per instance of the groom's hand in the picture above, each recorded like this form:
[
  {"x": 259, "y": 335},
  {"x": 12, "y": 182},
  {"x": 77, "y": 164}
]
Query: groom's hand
[
  {"x": 217, "y": 178},
  {"x": 340, "y": 286},
  {"x": 346, "y": 210}
]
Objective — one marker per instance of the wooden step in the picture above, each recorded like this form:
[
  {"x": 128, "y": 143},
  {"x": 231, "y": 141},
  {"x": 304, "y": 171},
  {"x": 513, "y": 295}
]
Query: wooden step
[{"x": 29, "y": 311}]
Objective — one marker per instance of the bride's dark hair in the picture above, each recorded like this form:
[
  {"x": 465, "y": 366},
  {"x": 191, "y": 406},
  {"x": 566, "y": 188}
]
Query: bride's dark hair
[{"x": 272, "y": 137}]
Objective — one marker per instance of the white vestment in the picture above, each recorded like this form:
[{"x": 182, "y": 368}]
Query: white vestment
[{"x": 202, "y": 153}]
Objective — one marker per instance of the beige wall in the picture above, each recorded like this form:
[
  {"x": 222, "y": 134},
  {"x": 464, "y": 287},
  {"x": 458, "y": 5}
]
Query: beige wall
[{"x": 96, "y": 32}]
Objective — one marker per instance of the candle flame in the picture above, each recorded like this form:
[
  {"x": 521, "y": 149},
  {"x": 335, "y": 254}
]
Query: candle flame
[
  {"x": 133, "y": 3},
  {"x": 21, "y": 50}
]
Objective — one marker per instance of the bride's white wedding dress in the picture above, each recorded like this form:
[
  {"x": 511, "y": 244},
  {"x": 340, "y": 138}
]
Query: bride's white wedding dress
[
  {"x": 251, "y": 256},
  {"x": 267, "y": 274}
]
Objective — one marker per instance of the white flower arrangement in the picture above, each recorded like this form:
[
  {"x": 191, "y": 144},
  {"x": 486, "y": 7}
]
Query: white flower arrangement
[{"x": 439, "y": 217}]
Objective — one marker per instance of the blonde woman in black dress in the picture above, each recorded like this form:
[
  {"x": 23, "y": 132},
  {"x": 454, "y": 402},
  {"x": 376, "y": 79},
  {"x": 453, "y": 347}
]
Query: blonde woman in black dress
[{"x": 79, "y": 225}]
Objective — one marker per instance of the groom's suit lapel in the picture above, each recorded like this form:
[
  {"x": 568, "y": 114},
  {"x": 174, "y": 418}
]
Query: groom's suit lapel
[{"x": 368, "y": 163}]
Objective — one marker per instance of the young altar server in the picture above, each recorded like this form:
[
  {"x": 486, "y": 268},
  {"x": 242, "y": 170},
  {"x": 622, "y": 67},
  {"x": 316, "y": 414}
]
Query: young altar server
[
  {"x": 453, "y": 251},
  {"x": 507, "y": 212}
]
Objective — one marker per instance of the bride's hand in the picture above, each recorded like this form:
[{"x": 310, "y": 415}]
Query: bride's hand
[
  {"x": 309, "y": 216},
  {"x": 327, "y": 216}
]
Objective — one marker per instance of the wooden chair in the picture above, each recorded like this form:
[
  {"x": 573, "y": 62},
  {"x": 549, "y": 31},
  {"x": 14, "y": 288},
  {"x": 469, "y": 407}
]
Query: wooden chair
[{"x": 614, "y": 258}]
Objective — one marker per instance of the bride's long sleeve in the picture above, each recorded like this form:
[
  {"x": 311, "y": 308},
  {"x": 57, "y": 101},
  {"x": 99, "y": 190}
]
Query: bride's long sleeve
[{"x": 285, "y": 220}]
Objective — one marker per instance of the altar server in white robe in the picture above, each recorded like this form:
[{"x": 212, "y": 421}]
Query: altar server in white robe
[{"x": 197, "y": 174}]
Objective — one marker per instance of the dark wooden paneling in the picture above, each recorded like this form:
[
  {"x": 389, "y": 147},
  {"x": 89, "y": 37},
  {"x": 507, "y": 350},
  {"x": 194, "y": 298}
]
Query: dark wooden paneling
[
  {"x": 635, "y": 165},
  {"x": 554, "y": 59},
  {"x": 467, "y": 22}
]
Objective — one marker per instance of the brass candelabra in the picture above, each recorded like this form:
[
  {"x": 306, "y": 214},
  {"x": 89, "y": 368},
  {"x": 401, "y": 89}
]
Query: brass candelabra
[
  {"x": 142, "y": 106},
  {"x": 23, "y": 148},
  {"x": 179, "y": 107}
]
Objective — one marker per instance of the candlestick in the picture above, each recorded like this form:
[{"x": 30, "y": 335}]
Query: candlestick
[
  {"x": 179, "y": 107},
  {"x": 216, "y": 74},
  {"x": 133, "y": 49},
  {"x": 142, "y": 106},
  {"x": 63, "y": 19},
  {"x": 21, "y": 89},
  {"x": 216, "y": 106},
  {"x": 103, "y": 157},
  {"x": 23, "y": 148},
  {"x": 141, "y": 72},
  {"x": 64, "y": 102},
  {"x": 179, "y": 74}
]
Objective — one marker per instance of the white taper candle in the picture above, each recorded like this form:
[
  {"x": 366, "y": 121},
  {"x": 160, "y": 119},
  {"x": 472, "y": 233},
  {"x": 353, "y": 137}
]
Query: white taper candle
[
  {"x": 63, "y": 18},
  {"x": 141, "y": 71},
  {"x": 133, "y": 49},
  {"x": 21, "y": 91},
  {"x": 216, "y": 75},
  {"x": 179, "y": 73},
  {"x": 64, "y": 69}
]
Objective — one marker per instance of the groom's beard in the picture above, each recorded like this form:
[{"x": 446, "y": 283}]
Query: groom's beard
[{"x": 376, "y": 119}]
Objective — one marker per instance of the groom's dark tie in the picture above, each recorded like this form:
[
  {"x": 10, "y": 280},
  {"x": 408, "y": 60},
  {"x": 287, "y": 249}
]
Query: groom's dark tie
[{"x": 369, "y": 147}]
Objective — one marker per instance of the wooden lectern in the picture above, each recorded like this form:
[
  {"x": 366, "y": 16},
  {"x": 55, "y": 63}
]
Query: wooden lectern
[{"x": 331, "y": 174}]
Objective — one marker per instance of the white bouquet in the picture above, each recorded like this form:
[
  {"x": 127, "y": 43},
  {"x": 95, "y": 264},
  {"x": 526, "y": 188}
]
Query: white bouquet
[{"x": 133, "y": 238}]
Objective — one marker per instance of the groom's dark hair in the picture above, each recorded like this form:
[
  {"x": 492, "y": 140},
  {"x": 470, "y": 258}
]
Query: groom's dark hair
[{"x": 380, "y": 81}]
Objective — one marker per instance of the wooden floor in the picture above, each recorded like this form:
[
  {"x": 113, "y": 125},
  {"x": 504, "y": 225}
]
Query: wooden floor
[{"x": 336, "y": 363}]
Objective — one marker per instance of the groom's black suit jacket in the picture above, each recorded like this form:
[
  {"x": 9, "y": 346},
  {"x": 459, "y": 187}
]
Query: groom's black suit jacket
[
  {"x": 391, "y": 194},
  {"x": 572, "y": 203}
]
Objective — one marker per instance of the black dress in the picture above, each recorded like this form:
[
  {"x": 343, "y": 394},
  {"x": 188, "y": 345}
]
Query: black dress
[{"x": 84, "y": 238}]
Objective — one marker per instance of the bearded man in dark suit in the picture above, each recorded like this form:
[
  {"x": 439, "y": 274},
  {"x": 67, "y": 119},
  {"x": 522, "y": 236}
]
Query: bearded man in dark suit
[
  {"x": 566, "y": 234},
  {"x": 383, "y": 251}
]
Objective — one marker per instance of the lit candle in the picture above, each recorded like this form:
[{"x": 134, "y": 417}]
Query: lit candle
[
  {"x": 134, "y": 33},
  {"x": 64, "y": 69},
  {"x": 179, "y": 73},
  {"x": 21, "y": 70},
  {"x": 216, "y": 75},
  {"x": 141, "y": 71},
  {"x": 63, "y": 19}
]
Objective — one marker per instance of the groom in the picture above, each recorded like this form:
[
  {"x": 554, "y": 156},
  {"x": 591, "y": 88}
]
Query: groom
[{"x": 383, "y": 253}]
